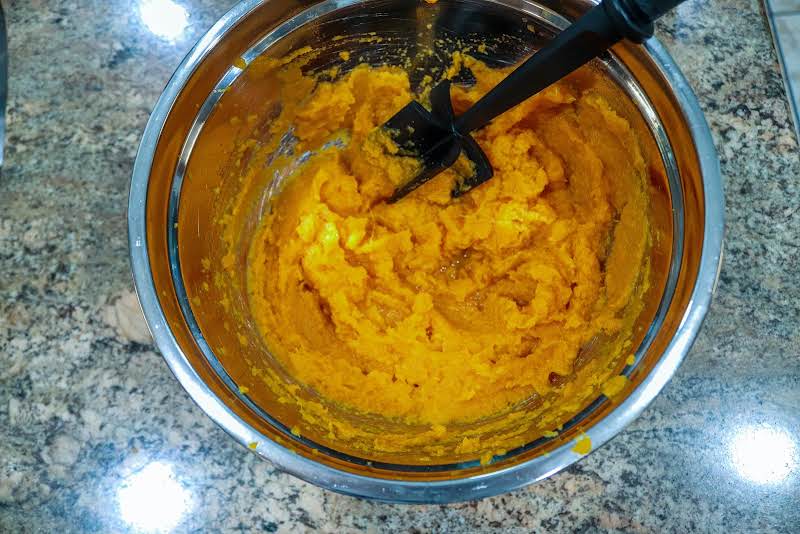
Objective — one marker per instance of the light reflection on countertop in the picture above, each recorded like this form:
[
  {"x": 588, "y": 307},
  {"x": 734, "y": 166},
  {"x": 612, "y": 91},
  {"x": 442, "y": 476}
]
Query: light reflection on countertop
[
  {"x": 152, "y": 499},
  {"x": 164, "y": 18},
  {"x": 97, "y": 436},
  {"x": 764, "y": 454}
]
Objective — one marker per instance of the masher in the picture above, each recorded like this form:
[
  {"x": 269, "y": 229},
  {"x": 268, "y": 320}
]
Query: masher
[{"x": 437, "y": 137}]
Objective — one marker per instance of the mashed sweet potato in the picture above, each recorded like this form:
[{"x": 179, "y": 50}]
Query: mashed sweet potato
[{"x": 434, "y": 310}]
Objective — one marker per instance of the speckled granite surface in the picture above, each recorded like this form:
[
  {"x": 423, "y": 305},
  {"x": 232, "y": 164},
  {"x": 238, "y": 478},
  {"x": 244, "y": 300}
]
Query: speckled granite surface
[{"x": 92, "y": 422}]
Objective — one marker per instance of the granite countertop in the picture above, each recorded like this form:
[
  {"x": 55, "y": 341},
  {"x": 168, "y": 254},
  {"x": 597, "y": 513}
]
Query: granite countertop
[{"x": 96, "y": 434}]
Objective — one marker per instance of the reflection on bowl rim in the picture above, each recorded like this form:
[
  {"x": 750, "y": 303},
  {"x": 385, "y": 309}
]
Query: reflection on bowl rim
[{"x": 473, "y": 487}]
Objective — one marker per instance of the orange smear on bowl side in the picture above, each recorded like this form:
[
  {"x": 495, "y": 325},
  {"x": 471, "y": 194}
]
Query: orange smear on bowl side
[
  {"x": 583, "y": 445},
  {"x": 437, "y": 311}
]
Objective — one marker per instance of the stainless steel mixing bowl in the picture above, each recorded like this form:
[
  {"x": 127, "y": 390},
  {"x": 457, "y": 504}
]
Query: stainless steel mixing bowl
[{"x": 208, "y": 339}]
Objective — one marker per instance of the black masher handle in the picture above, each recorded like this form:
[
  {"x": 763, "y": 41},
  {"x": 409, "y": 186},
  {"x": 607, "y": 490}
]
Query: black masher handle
[{"x": 589, "y": 36}]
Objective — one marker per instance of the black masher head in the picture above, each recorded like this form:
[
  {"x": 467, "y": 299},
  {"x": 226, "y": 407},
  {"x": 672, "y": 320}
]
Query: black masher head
[{"x": 431, "y": 137}]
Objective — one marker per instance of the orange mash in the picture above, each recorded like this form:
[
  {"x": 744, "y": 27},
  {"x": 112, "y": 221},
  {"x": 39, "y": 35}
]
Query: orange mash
[{"x": 434, "y": 310}]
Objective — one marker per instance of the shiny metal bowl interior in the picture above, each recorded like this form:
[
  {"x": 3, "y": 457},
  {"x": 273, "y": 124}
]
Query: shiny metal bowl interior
[{"x": 179, "y": 186}]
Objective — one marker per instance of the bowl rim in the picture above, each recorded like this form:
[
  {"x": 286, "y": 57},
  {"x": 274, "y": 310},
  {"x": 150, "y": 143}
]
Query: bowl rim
[{"x": 440, "y": 491}]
